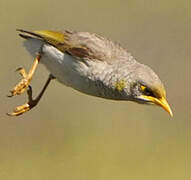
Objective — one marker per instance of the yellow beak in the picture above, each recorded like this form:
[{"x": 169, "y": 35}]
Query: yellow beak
[{"x": 161, "y": 102}]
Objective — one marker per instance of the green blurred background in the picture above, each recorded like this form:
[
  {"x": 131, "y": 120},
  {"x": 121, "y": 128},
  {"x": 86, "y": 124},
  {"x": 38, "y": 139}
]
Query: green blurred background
[{"x": 77, "y": 137}]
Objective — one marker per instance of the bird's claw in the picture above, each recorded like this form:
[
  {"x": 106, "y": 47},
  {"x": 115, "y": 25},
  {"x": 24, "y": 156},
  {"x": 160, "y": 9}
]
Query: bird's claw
[
  {"x": 22, "y": 85},
  {"x": 19, "y": 110},
  {"x": 22, "y": 72}
]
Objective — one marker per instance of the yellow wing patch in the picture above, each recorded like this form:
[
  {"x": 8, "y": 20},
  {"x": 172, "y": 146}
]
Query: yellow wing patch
[
  {"x": 51, "y": 35},
  {"x": 56, "y": 38},
  {"x": 120, "y": 85}
]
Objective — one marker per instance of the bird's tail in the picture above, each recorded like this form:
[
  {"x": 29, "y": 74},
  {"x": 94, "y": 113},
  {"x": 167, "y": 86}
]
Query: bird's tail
[{"x": 29, "y": 34}]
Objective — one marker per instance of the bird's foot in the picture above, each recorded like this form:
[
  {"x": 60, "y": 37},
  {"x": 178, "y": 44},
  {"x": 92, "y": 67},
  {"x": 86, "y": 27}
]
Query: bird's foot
[
  {"x": 31, "y": 102},
  {"x": 22, "y": 85},
  {"x": 19, "y": 110}
]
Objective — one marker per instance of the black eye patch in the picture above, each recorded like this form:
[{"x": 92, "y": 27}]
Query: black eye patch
[{"x": 146, "y": 91}]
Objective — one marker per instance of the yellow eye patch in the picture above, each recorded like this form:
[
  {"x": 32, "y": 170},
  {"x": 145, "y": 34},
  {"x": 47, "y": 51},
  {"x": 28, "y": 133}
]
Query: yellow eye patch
[{"x": 142, "y": 87}]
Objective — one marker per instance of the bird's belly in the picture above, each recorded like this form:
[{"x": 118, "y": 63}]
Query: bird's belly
[{"x": 67, "y": 69}]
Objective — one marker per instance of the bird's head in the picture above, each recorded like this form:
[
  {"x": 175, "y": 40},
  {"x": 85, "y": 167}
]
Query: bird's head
[{"x": 147, "y": 88}]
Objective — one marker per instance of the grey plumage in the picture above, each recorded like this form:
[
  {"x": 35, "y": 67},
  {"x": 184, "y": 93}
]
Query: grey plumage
[{"x": 96, "y": 66}]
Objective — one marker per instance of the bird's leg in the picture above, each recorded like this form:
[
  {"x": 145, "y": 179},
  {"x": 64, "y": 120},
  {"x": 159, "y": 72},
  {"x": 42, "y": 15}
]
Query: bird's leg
[
  {"x": 31, "y": 102},
  {"x": 24, "y": 83}
]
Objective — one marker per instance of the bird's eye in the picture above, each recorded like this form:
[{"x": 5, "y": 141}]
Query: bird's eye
[{"x": 146, "y": 91}]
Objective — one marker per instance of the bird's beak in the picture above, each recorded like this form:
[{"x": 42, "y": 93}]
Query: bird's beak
[{"x": 159, "y": 101}]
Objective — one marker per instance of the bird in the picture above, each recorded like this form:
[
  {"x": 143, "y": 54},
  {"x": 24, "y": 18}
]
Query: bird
[{"x": 91, "y": 64}]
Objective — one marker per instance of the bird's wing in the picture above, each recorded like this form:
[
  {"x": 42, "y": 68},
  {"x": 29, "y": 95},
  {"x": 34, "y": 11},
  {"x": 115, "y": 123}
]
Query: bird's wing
[{"x": 82, "y": 45}]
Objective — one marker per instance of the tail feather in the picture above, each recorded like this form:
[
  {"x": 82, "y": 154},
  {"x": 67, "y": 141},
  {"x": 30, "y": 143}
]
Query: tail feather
[
  {"x": 28, "y": 34},
  {"x": 25, "y": 36}
]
